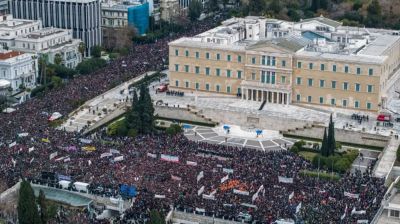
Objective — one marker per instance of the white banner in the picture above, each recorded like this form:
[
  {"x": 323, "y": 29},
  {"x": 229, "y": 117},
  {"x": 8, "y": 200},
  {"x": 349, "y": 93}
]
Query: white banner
[
  {"x": 208, "y": 197},
  {"x": 240, "y": 192},
  {"x": 175, "y": 178},
  {"x": 169, "y": 158},
  {"x": 119, "y": 158},
  {"x": 31, "y": 160},
  {"x": 354, "y": 212},
  {"x": 152, "y": 155},
  {"x": 31, "y": 149},
  {"x": 291, "y": 195},
  {"x": 226, "y": 170},
  {"x": 89, "y": 162},
  {"x": 85, "y": 140},
  {"x": 114, "y": 151},
  {"x": 350, "y": 195},
  {"x": 225, "y": 178},
  {"x": 67, "y": 160},
  {"x": 61, "y": 158},
  {"x": 213, "y": 192},
  {"x": 200, "y": 210},
  {"x": 288, "y": 180},
  {"x": 200, "y": 175},
  {"x": 53, "y": 155},
  {"x": 190, "y": 163},
  {"x": 200, "y": 191},
  {"x": 23, "y": 134},
  {"x": 106, "y": 154},
  {"x": 14, "y": 162},
  {"x": 12, "y": 144},
  {"x": 249, "y": 205},
  {"x": 159, "y": 196},
  {"x": 362, "y": 221}
]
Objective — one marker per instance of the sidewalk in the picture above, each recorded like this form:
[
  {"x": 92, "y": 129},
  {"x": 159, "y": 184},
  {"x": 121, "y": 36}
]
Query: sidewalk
[{"x": 387, "y": 160}]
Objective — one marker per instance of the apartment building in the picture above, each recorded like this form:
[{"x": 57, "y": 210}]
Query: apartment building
[{"x": 314, "y": 61}]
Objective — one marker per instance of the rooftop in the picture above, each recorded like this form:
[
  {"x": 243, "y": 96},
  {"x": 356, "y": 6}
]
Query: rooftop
[
  {"x": 9, "y": 54},
  {"x": 379, "y": 45},
  {"x": 323, "y": 20},
  {"x": 45, "y": 32}
]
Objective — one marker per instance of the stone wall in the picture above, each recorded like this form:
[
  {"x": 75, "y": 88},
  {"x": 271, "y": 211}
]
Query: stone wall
[{"x": 179, "y": 114}]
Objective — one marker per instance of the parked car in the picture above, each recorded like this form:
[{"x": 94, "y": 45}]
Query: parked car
[{"x": 384, "y": 117}]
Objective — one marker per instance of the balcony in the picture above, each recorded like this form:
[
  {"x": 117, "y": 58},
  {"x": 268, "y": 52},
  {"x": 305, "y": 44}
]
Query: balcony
[{"x": 266, "y": 86}]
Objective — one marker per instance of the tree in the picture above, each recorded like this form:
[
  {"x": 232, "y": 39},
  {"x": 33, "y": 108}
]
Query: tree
[
  {"x": 156, "y": 217},
  {"x": 82, "y": 48},
  {"x": 43, "y": 207},
  {"x": 324, "y": 150},
  {"x": 147, "y": 117},
  {"x": 27, "y": 208},
  {"x": 275, "y": 6},
  {"x": 212, "y": 5},
  {"x": 256, "y": 7},
  {"x": 374, "y": 15},
  {"x": 58, "y": 59},
  {"x": 96, "y": 51},
  {"x": 331, "y": 142},
  {"x": 133, "y": 117},
  {"x": 195, "y": 8}
]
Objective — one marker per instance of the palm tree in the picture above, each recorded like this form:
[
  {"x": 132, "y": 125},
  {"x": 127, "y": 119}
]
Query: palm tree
[
  {"x": 58, "y": 59},
  {"x": 42, "y": 68}
]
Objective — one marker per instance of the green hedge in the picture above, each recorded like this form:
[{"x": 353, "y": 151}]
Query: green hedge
[
  {"x": 339, "y": 162},
  {"x": 377, "y": 148},
  {"x": 322, "y": 175},
  {"x": 398, "y": 154}
]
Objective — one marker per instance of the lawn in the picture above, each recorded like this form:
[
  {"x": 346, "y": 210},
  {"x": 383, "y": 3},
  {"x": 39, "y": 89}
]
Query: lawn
[{"x": 308, "y": 155}]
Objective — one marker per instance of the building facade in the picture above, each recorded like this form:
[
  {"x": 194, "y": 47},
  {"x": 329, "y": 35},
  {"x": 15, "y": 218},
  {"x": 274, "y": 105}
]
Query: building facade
[
  {"x": 20, "y": 69},
  {"x": 3, "y": 7},
  {"x": 83, "y": 17},
  {"x": 50, "y": 42},
  {"x": 11, "y": 28},
  {"x": 315, "y": 61}
]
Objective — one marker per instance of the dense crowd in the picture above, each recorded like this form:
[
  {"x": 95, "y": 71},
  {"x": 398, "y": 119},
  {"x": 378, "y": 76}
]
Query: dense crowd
[{"x": 228, "y": 178}]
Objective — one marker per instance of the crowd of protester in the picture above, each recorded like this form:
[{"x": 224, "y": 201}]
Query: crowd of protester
[{"x": 28, "y": 142}]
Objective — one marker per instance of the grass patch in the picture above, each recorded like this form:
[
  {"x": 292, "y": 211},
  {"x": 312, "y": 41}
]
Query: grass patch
[{"x": 308, "y": 155}]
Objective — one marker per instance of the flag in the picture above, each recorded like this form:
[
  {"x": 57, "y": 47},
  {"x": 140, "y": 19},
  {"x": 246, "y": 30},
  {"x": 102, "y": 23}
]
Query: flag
[
  {"x": 114, "y": 151},
  {"x": 298, "y": 208},
  {"x": 169, "y": 158},
  {"x": 200, "y": 175},
  {"x": 200, "y": 191},
  {"x": 350, "y": 195},
  {"x": 152, "y": 155},
  {"x": 224, "y": 178},
  {"x": 53, "y": 155},
  {"x": 374, "y": 201},
  {"x": 12, "y": 144},
  {"x": 226, "y": 170},
  {"x": 291, "y": 195},
  {"x": 235, "y": 191},
  {"x": 190, "y": 163},
  {"x": 89, "y": 148},
  {"x": 119, "y": 158},
  {"x": 46, "y": 140},
  {"x": 31, "y": 160},
  {"x": 344, "y": 214},
  {"x": 90, "y": 162},
  {"x": 106, "y": 154},
  {"x": 67, "y": 160},
  {"x": 13, "y": 161},
  {"x": 175, "y": 178}
]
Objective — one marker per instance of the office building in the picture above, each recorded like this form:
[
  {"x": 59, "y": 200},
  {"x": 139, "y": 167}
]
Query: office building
[
  {"x": 83, "y": 17},
  {"x": 315, "y": 61}
]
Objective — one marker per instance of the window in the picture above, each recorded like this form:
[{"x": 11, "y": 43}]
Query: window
[
  {"x": 197, "y": 69},
  {"x": 253, "y": 76},
  {"x": 186, "y": 68},
  {"x": 357, "y": 87},
  {"x": 228, "y": 89},
  {"x": 369, "y": 106},
  {"x": 228, "y": 73},
  {"x": 356, "y": 104},
  {"x": 298, "y": 97},
  {"x": 370, "y": 71},
  {"x": 283, "y": 79},
  {"x": 187, "y": 53},
  {"x": 358, "y": 71},
  {"x": 177, "y": 68},
  {"x": 394, "y": 213},
  {"x": 333, "y": 84},
  {"x": 197, "y": 54},
  {"x": 309, "y": 99},
  {"x": 273, "y": 61},
  {"x": 310, "y": 82},
  {"x": 370, "y": 88},
  {"x": 239, "y": 58},
  {"x": 310, "y": 65},
  {"x": 283, "y": 63},
  {"x": 217, "y": 72},
  {"x": 253, "y": 60},
  {"x": 239, "y": 74},
  {"x": 228, "y": 57},
  {"x": 239, "y": 90},
  {"x": 346, "y": 69},
  {"x": 334, "y": 68},
  {"x": 321, "y": 100},
  {"x": 217, "y": 88},
  {"x": 207, "y": 87},
  {"x": 344, "y": 103},
  {"x": 333, "y": 102},
  {"x": 218, "y": 56},
  {"x": 298, "y": 80},
  {"x": 207, "y": 71},
  {"x": 197, "y": 85},
  {"x": 177, "y": 83},
  {"x": 321, "y": 83},
  {"x": 207, "y": 55},
  {"x": 263, "y": 60},
  {"x": 299, "y": 64},
  {"x": 322, "y": 67},
  {"x": 176, "y": 52},
  {"x": 187, "y": 84},
  {"x": 345, "y": 86}
]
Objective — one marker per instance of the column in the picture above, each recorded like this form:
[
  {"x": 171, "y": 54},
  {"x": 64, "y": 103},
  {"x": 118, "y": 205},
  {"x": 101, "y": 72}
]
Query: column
[{"x": 256, "y": 95}]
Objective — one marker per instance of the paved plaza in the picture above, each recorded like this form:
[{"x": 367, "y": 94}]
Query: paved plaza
[{"x": 267, "y": 141}]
